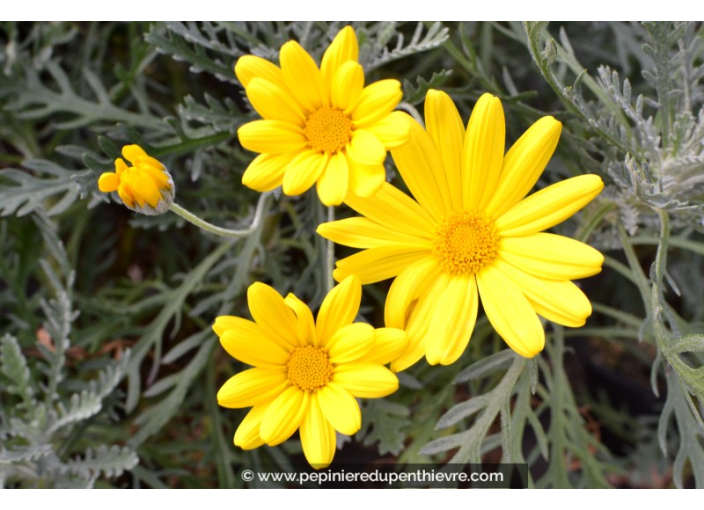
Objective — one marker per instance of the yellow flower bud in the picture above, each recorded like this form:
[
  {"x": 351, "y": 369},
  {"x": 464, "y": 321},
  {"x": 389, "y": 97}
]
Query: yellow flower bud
[{"x": 145, "y": 187}]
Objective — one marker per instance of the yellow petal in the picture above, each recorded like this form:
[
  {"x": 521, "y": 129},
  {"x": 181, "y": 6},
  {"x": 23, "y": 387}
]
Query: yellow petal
[
  {"x": 523, "y": 164},
  {"x": 483, "y": 152},
  {"x": 365, "y": 180},
  {"x": 283, "y": 417},
  {"x": 510, "y": 313},
  {"x": 120, "y": 166},
  {"x": 393, "y": 130},
  {"x": 394, "y": 209},
  {"x": 360, "y": 232},
  {"x": 249, "y": 67},
  {"x": 365, "y": 380},
  {"x": 332, "y": 184},
  {"x": 453, "y": 321},
  {"x": 266, "y": 172},
  {"x": 347, "y": 85},
  {"x": 302, "y": 76},
  {"x": 559, "y": 301},
  {"x": 306, "y": 323},
  {"x": 344, "y": 48},
  {"x": 273, "y": 136},
  {"x": 156, "y": 174},
  {"x": 549, "y": 206},
  {"x": 389, "y": 343},
  {"x": 271, "y": 314},
  {"x": 132, "y": 152},
  {"x": 375, "y": 102},
  {"x": 273, "y": 102},
  {"x": 247, "y": 436},
  {"x": 418, "y": 322},
  {"x": 551, "y": 256},
  {"x": 317, "y": 436},
  {"x": 257, "y": 351},
  {"x": 444, "y": 126},
  {"x": 340, "y": 408},
  {"x": 339, "y": 308},
  {"x": 144, "y": 190},
  {"x": 303, "y": 171},
  {"x": 365, "y": 148},
  {"x": 412, "y": 282},
  {"x": 125, "y": 192},
  {"x": 350, "y": 342},
  {"x": 245, "y": 341},
  {"x": 422, "y": 170},
  {"x": 377, "y": 264},
  {"x": 108, "y": 182},
  {"x": 226, "y": 322},
  {"x": 252, "y": 387}
]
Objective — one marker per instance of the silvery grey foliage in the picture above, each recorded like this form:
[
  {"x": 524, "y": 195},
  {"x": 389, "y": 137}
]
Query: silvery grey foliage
[{"x": 43, "y": 412}]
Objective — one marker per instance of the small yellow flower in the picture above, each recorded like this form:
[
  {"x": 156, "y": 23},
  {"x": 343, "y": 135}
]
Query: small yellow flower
[
  {"x": 306, "y": 375},
  {"x": 145, "y": 187},
  {"x": 319, "y": 125},
  {"x": 469, "y": 233}
]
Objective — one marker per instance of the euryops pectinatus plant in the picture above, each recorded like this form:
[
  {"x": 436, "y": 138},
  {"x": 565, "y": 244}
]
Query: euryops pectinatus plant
[{"x": 413, "y": 243}]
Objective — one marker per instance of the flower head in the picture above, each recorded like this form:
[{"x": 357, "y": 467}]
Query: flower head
[
  {"x": 145, "y": 187},
  {"x": 319, "y": 124},
  {"x": 470, "y": 233},
  {"x": 306, "y": 375}
]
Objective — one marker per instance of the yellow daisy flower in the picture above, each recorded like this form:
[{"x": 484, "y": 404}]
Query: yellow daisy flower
[
  {"x": 319, "y": 125},
  {"x": 306, "y": 375},
  {"x": 469, "y": 233},
  {"x": 145, "y": 187}
]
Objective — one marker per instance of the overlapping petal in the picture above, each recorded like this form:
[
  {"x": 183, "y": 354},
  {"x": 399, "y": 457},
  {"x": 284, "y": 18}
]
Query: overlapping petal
[
  {"x": 317, "y": 436},
  {"x": 523, "y": 164},
  {"x": 377, "y": 264},
  {"x": 252, "y": 387},
  {"x": 422, "y": 170},
  {"x": 550, "y": 206},
  {"x": 365, "y": 380},
  {"x": 483, "y": 152},
  {"x": 551, "y": 256},
  {"x": 272, "y": 315},
  {"x": 453, "y": 321},
  {"x": 340, "y": 408},
  {"x": 284, "y": 415},
  {"x": 510, "y": 313},
  {"x": 339, "y": 309}
]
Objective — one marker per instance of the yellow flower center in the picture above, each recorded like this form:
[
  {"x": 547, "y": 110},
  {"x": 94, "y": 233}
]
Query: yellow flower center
[
  {"x": 328, "y": 130},
  {"x": 309, "y": 368},
  {"x": 465, "y": 242}
]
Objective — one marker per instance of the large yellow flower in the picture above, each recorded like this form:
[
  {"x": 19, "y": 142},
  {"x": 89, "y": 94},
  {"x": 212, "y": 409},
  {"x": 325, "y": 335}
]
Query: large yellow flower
[
  {"x": 471, "y": 233},
  {"x": 319, "y": 125},
  {"x": 305, "y": 375}
]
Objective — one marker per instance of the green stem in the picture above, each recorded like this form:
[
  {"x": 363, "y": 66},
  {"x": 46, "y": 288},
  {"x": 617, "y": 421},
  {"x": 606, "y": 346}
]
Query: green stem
[
  {"x": 685, "y": 244},
  {"x": 640, "y": 279},
  {"x": 661, "y": 335},
  {"x": 595, "y": 221},
  {"x": 408, "y": 107},
  {"x": 224, "y": 232}
]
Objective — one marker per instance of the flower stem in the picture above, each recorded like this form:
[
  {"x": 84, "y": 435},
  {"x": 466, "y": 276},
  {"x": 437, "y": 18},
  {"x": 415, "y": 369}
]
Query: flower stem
[
  {"x": 408, "y": 107},
  {"x": 330, "y": 255},
  {"x": 224, "y": 232}
]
